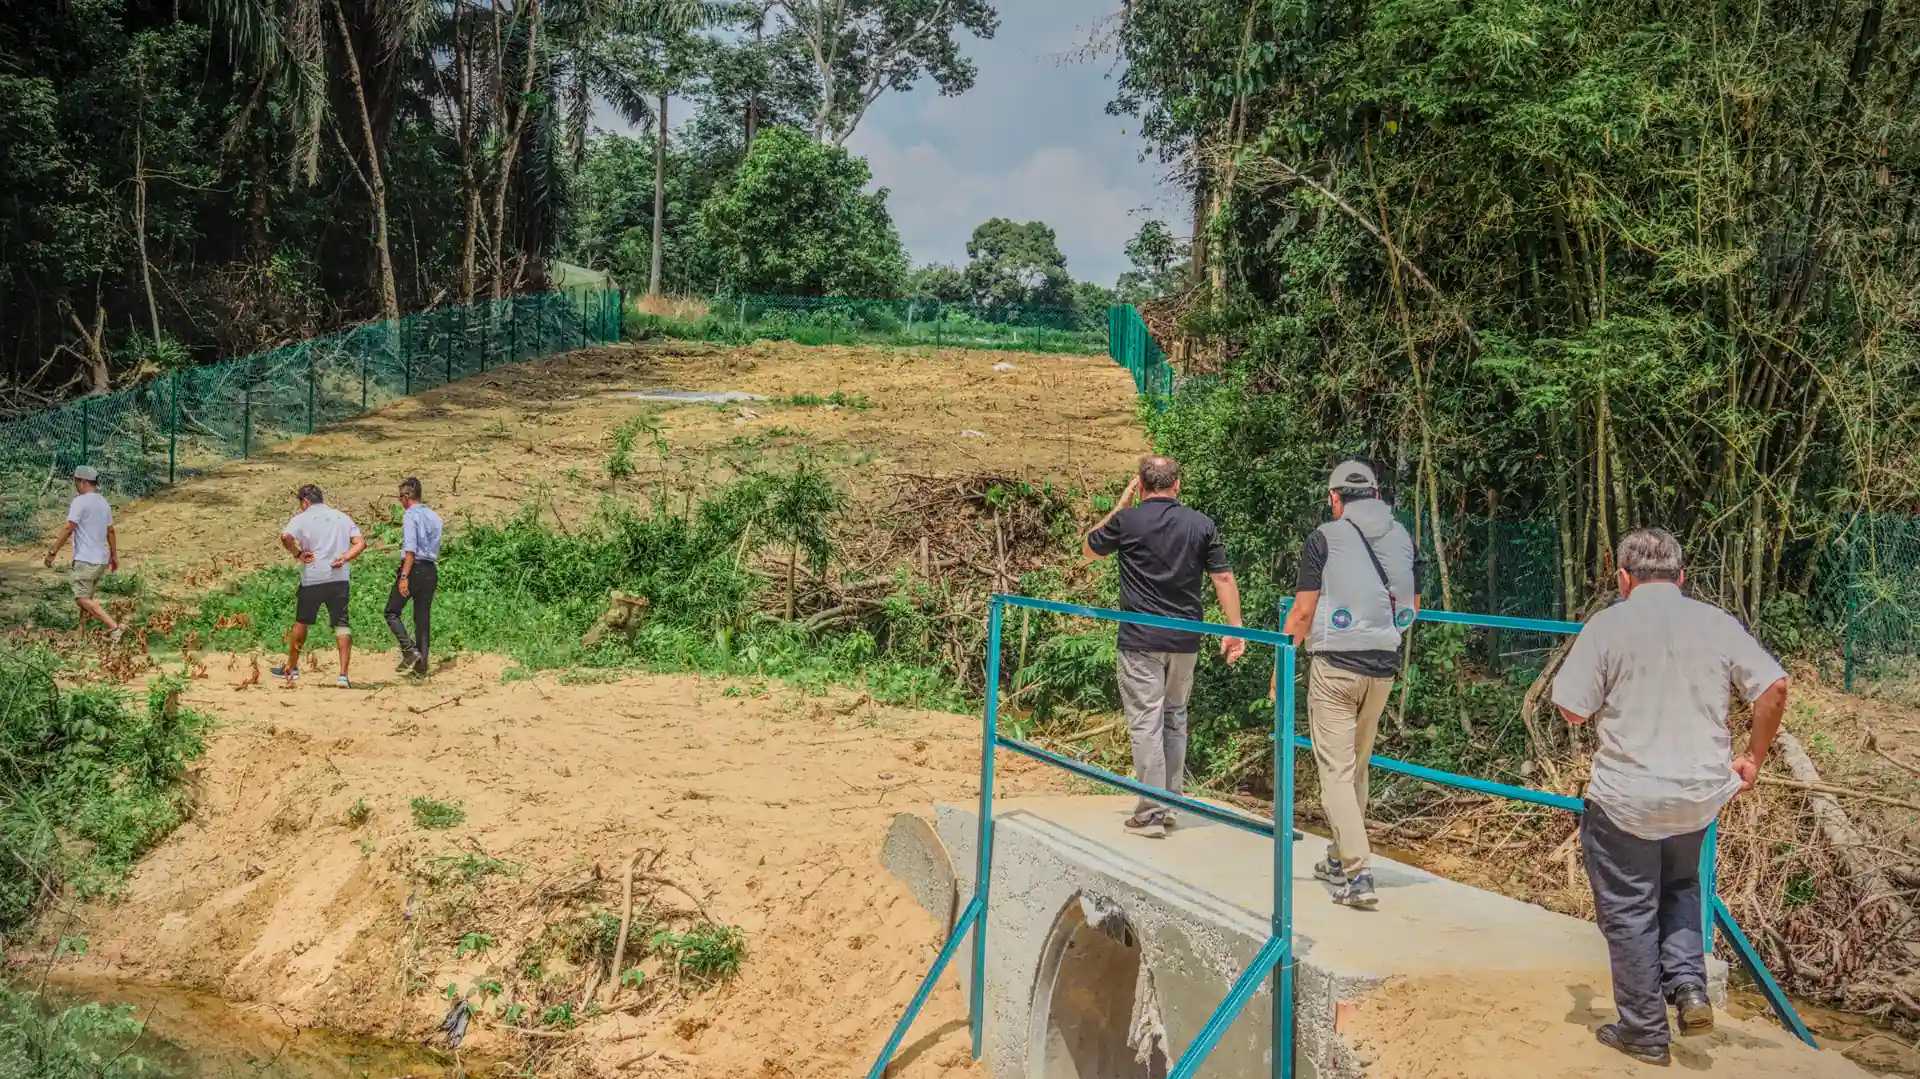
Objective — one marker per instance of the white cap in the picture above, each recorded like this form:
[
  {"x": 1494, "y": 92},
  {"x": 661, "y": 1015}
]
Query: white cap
[{"x": 1353, "y": 473}]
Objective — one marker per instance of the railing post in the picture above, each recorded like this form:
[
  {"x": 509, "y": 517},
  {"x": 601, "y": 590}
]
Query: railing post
[
  {"x": 173, "y": 425},
  {"x": 1283, "y": 750},
  {"x": 983, "y": 862},
  {"x": 1709, "y": 882}
]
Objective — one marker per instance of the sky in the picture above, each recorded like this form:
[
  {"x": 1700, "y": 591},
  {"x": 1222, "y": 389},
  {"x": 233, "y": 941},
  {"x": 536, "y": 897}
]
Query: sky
[{"x": 1031, "y": 141}]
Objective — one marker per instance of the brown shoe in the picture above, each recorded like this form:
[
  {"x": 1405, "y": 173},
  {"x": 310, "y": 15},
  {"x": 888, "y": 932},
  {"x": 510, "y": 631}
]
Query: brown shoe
[{"x": 1147, "y": 826}]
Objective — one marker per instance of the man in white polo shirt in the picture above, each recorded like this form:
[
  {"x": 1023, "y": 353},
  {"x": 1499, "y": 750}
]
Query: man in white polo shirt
[
  {"x": 1652, "y": 673},
  {"x": 96, "y": 550},
  {"x": 323, "y": 540}
]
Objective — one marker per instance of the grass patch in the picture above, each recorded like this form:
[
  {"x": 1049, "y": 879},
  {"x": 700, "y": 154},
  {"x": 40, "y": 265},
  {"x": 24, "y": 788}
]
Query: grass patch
[
  {"x": 707, "y": 953},
  {"x": 88, "y": 783},
  {"x": 836, "y": 399},
  {"x": 437, "y": 816}
]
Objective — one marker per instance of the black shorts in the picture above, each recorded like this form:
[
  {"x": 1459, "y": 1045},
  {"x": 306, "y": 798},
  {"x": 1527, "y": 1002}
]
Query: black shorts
[{"x": 330, "y": 594}]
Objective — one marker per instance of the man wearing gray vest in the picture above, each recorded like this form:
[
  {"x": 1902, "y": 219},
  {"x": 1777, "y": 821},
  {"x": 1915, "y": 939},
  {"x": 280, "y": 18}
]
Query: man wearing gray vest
[{"x": 1355, "y": 593}]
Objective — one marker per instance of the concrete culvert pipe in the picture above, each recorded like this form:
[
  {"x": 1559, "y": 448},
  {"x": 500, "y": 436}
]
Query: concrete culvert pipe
[{"x": 1095, "y": 1015}]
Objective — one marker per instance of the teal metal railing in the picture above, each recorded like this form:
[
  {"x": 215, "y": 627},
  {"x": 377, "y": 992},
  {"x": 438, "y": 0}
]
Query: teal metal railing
[{"x": 1275, "y": 957}]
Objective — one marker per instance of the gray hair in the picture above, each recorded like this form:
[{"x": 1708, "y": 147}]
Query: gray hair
[
  {"x": 1158, "y": 474},
  {"x": 1651, "y": 554}
]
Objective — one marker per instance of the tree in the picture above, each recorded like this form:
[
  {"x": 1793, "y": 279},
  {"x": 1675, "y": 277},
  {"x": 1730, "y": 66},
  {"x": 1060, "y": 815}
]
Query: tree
[
  {"x": 1155, "y": 254},
  {"x": 861, "y": 49},
  {"x": 939, "y": 283},
  {"x": 796, "y": 219},
  {"x": 1013, "y": 264}
]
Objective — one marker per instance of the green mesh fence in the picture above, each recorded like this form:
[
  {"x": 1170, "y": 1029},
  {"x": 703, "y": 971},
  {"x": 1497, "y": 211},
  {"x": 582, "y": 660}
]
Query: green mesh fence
[
  {"x": 152, "y": 434},
  {"x": 835, "y": 320},
  {"x": 1133, "y": 347},
  {"x": 1867, "y": 582}
]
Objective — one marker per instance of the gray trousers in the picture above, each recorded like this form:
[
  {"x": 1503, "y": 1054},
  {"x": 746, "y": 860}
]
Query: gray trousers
[
  {"x": 1646, "y": 896},
  {"x": 1154, "y": 687}
]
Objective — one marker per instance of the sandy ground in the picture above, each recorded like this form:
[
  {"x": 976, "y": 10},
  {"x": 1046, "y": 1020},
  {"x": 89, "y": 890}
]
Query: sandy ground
[
  {"x": 768, "y": 810},
  {"x": 1470, "y": 1028},
  {"x": 541, "y": 432}
]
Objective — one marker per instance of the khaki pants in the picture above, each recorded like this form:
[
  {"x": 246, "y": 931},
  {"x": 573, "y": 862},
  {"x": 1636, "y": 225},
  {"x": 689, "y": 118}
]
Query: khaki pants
[
  {"x": 1343, "y": 709},
  {"x": 1154, "y": 687}
]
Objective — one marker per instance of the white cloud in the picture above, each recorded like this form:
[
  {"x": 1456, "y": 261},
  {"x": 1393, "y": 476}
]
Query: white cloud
[{"x": 937, "y": 199}]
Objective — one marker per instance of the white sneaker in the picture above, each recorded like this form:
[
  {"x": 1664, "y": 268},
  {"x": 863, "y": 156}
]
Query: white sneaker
[{"x": 342, "y": 682}]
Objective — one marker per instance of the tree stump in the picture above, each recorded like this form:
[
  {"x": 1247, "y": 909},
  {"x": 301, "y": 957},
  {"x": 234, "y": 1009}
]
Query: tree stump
[{"x": 624, "y": 615}]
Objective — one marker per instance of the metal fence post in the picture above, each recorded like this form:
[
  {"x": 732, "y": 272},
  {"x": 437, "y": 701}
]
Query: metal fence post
[
  {"x": 246, "y": 411},
  {"x": 486, "y": 335},
  {"x": 363, "y": 379},
  {"x": 173, "y": 425},
  {"x": 513, "y": 329},
  {"x": 983, "y": 863},
  {"x": 310, "y": 389},
  {"x": 86, "y": 428},
  {"x": 1283, "y": 750},
  {"x": 1853, "y": 608},
  {"x": 406, "y": 358}
]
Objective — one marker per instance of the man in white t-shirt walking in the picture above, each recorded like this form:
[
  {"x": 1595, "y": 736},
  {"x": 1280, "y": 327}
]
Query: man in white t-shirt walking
[
  {"x": 1652, "y": 674},
  {"x": 323, "y": 540},
  {"x": 96, "y": 549}
]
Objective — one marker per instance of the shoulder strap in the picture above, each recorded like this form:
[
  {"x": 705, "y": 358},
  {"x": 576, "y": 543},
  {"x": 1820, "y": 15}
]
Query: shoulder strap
[{"x": 1375, "y": 559}]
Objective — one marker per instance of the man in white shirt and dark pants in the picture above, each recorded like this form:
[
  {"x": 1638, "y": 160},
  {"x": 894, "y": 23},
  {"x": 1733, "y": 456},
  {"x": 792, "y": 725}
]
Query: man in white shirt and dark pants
[
  {"x": 1652, "y": 673},
  {"x": 96, "y": 550},
  {"x": 323, "y": 540}
]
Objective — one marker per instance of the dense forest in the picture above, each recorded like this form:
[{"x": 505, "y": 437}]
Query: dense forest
[
  {"x": 1566, "y": 268},
  {"x": 187, "y": 181}
]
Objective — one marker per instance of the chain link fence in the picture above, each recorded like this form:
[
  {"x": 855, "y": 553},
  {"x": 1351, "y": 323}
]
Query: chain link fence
[
  {"x": 837, "y": 320},
  {"x": 155, "y": 433},
  {"x": 1867, "y": 583}
]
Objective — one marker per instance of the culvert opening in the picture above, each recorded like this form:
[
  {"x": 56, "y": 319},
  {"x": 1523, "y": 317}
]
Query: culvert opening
[{"x": 1095, "y": 1013}]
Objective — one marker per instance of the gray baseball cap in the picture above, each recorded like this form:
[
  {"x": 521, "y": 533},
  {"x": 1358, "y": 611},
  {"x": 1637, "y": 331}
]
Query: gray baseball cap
[
  {"x": 88, "y": 473},
  {"x": 1353, "y": 473}
]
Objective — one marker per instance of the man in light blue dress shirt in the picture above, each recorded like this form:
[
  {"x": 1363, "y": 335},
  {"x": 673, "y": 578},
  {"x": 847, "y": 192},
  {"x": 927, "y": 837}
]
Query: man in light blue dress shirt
[{"x": 419, "y": 575}]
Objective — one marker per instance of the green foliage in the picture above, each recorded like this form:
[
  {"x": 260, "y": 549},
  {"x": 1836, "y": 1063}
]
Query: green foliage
[
  {"x": 708, "y": 953},
  {"x": 436, "y": 815},
  {"x": 1157, "y": 259},
  {"x": 473, "y": 944},
  {"x": 87, "y": 784},
  {"x": 1014, "y": 264},
  {"x": 837, "y": 399},
  {"x": 83, "y": 1041},
  {"x": 796, "y": 219},
  {"x": 359, "y": 813}
]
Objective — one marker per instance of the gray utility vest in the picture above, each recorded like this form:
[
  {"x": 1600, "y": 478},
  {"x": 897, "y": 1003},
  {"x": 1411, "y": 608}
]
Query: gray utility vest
[{"x": 1355, "y": 614}]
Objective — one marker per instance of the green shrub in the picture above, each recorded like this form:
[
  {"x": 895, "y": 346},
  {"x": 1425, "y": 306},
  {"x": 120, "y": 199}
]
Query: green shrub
[
  {"x": 84, "y": 1041},
  {"x": 87, "y": 784}
]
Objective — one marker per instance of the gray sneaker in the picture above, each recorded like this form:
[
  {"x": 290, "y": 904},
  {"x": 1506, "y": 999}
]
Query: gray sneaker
[
  {"x": 1357, "y": 892},
  {"x": 1329, "y": 869}
]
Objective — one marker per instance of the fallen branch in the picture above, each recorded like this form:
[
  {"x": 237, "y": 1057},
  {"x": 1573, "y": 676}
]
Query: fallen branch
[
  {"x": 431, "y": 707},
  {"x": 1835, "y": 789},
  {"x": 626, "y": 919}
]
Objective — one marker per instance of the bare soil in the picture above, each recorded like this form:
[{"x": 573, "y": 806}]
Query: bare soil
[
  {"x": 1460, "y": 1027},
  {"x": 764, "y": 809}
]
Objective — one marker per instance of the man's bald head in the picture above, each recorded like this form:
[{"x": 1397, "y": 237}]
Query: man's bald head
[{"x": 1159, "y": 475}]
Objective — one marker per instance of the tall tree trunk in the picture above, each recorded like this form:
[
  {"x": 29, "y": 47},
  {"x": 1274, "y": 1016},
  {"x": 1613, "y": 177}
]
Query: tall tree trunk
[
  {"x": 376, "y": 176},
  {"x": 510, "y": 151},
  {"x": 469, "y": 173},
  {"x": 659, "y": 197},
  {"x": 140, "y": 224}
]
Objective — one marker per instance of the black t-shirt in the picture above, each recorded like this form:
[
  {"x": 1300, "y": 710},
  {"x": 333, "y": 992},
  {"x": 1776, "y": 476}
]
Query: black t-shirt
[
  {"x": 1166, "y": 551},
  {"x": 1372, "y": 662}
]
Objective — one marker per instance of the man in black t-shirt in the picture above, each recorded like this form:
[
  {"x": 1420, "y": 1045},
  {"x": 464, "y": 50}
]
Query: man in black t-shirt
[{"x": 1166, "y": 551}]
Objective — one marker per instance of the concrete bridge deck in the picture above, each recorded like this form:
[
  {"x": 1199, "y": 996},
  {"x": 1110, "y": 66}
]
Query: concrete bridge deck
[{"x": 1107, "y": 952}]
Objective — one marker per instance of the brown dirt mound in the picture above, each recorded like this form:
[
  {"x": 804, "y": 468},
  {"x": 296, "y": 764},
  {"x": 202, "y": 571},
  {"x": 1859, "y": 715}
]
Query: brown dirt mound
[{"x": 759, "y": 808}]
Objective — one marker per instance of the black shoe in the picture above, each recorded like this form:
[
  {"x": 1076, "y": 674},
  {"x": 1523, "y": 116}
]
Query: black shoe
[
  {"x": 420, "y": 667},
  {"x": 1658, "y": 1055},
  {"x": 1696, "y": 1011},
  {"x": 409, "y": 659}
]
